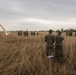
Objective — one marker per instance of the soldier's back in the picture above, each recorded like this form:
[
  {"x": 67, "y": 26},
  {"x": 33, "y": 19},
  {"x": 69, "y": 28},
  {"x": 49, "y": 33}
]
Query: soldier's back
[
  {"x": 50, "y": 38},
  {"x": 59, "y": 39}
]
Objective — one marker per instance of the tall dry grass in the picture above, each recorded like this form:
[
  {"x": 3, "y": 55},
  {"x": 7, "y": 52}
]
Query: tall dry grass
[{"x": 27, "y": 56}]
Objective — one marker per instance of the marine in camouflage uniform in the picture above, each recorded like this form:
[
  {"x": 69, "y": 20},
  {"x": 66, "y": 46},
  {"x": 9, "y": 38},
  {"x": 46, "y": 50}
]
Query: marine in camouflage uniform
[
  {"x": 49, "y": 39},
  {"x": 59, "y": 46}
]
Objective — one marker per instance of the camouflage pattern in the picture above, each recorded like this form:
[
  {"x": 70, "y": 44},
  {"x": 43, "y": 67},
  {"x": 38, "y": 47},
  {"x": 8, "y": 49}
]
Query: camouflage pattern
[
  {"x": 49, "y": 39},
  {"x": 58, "y": 46}
]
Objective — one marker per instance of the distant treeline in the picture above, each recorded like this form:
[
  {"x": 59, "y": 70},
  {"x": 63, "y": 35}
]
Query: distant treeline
[{"x": 66, "y": 30}]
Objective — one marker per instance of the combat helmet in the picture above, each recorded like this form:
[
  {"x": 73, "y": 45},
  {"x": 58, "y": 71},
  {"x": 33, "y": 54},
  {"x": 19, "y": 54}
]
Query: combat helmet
[{"x": 50, "y": 31}]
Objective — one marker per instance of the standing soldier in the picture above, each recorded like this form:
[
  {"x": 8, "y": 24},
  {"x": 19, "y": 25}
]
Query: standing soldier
[
  {"x": 49, "y": 39},
  {"x": 18, "y": 33},
  {"x": 21, "y": 32},
  {"x": 58, "y": 46}
]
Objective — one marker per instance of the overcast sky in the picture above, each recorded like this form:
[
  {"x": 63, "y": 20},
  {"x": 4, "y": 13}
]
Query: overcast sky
[{"x": 37, "y": 14}]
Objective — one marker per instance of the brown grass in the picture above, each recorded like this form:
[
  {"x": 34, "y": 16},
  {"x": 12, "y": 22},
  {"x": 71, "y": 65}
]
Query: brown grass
[{"x": 27, "y": 56}]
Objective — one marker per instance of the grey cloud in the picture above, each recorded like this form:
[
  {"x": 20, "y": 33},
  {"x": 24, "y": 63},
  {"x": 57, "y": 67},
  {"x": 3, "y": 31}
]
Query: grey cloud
[{"x": 53, "y": 10}]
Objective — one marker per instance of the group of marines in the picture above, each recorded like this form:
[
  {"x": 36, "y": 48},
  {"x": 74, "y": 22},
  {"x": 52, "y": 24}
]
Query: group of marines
[{"x": 54, "y": 45}]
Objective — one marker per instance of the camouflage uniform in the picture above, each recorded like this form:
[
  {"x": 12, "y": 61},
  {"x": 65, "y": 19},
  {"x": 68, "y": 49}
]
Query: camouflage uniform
[
  {"x": 58, "y": 46},
  {"x": 49, "y": 39}
]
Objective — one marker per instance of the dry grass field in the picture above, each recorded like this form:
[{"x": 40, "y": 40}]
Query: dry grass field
[{"x": 27, "y": 56}]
